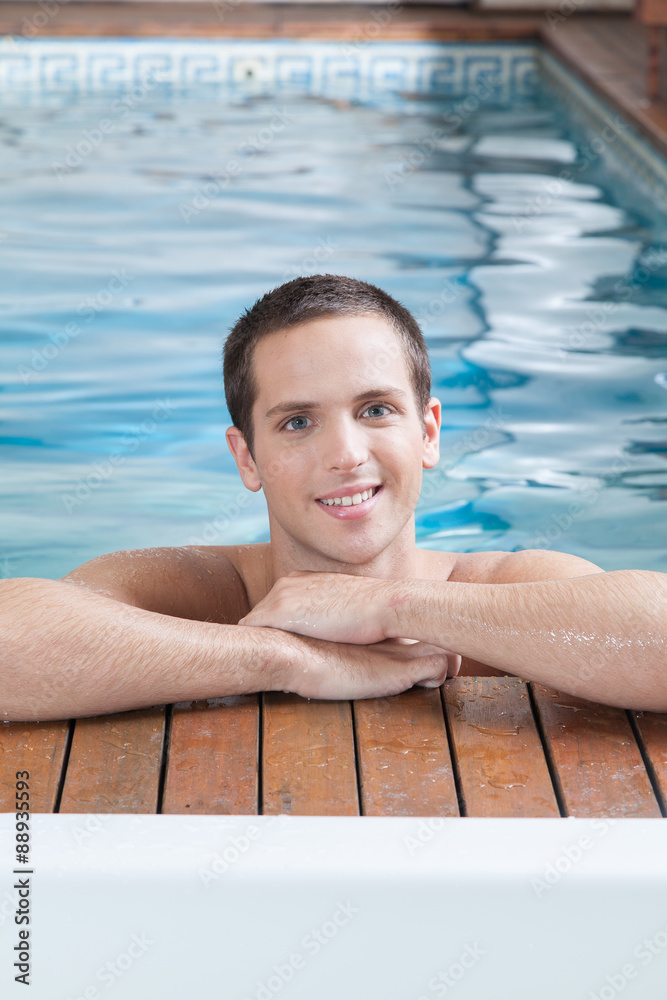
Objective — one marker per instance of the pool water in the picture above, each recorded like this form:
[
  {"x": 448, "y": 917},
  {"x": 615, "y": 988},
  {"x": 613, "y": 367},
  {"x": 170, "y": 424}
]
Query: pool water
[{"x": 128, "y": 251}]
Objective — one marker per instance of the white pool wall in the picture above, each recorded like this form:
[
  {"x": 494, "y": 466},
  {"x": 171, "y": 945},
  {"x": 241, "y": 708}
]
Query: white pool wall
[{"x": 326, "y": 908}]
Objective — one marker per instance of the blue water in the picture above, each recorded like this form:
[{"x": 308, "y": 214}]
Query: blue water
[{"x": 545, "y": 311}]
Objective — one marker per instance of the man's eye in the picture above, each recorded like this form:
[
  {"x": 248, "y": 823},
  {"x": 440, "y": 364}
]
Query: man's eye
[
  {"x": 373, "y": 406},
  {"x": 292, "y": 419}
]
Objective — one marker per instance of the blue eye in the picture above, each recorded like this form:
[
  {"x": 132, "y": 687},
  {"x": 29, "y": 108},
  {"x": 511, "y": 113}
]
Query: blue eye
[
  {"x": 292, "y": 419},
  {"x": 373, "y": 406}
]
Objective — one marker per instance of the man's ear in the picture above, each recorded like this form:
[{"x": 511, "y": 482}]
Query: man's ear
[
  {"x": 431, "y": 448},
  {"x": 243, "y": 458}
]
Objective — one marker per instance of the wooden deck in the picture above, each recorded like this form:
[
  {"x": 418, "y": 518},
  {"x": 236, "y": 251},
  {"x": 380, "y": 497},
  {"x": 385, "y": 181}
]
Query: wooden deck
[{"x": 478, "y": 746}]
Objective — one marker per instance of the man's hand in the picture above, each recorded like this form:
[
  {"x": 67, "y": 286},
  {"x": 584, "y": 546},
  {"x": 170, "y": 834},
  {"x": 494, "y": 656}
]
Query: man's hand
[
  {"x": 315, "y": 668},
  {"x": 341, "y": 649},
  {"x": 331, "y": 606}
]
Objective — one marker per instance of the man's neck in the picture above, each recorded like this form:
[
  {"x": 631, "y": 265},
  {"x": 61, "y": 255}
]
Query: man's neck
[{"x": 400, "y": 561}]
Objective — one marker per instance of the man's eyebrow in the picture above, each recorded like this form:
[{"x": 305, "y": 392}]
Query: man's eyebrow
[{"x": 299, "y": 404}]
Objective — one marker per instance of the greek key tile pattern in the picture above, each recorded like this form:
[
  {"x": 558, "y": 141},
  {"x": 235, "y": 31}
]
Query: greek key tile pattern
[{"x": 354, "y": 68}]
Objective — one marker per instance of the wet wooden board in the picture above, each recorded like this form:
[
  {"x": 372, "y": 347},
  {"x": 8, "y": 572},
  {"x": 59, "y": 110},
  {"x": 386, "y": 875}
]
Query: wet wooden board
[
  {"x": 115, "y": 762},
  {"x": 213, "y": 765},
  {"x": 497, "y": 749},
  {"x": 405, "y": 766},
  {"x": 39, "y": 748},
  {"x": 595, "y": 757},
  {"x": 652, "y": 729},
  {"x": 308, "y": 762}
]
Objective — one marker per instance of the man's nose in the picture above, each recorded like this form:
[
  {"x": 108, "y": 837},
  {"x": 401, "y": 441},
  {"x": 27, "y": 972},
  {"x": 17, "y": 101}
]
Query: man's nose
[{"x": 344, "y": 444}]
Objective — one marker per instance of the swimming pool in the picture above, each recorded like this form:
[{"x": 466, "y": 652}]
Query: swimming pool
[
  {"x": 144, "y": 208},
  {"x": 129, "y": 247}
]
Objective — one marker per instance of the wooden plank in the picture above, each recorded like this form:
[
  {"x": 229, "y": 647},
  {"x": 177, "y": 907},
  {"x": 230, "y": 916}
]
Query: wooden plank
[
  {"x": 39, "y": 748},
  {"x": 618, "y": 77},
  {"x": 114, "y": 764},
  {"x": 595, "y": 756},
  {"x": 651, "y": 11},
  {"x": 308, "y": 765},
  {"x": 213, "y": 764},
  {"x": 497, "y": 749},
  {"x": 266, "y": 20},
  {"x": 405, "y": 765},
  {"x": 652, "y": 729}
]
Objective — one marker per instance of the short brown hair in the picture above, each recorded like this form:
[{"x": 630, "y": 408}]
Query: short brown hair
[{"x": 302, "y": 300}]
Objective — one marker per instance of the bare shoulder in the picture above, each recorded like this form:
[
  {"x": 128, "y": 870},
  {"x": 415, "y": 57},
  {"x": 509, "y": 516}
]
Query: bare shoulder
[
  {"x": 520, "y": 567},
  {"x": 202, "y": 583}
]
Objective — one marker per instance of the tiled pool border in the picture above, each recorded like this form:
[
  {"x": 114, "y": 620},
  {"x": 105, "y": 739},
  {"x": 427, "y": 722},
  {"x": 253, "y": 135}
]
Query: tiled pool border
[
  {"x": 33, "y": 68},
  {"x": 94, "y": 64}
]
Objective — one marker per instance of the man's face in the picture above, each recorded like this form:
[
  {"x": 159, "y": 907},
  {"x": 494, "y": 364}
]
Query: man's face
[{"x": 335, "y": 413}]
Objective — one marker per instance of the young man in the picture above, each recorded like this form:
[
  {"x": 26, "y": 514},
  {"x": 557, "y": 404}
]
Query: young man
[{"x": 327, "y": 383}]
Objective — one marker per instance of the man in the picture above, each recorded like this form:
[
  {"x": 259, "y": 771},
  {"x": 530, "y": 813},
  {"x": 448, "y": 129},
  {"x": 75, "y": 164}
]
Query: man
[{"x": 327, "y": 382}]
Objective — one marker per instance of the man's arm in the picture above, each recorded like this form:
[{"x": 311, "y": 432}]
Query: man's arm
[
  {"x": 514, "y": 567},
  {"x": 126, "y": 632},
  {"x": 601, "y": 636},
  {"x": 67, "y": 651}
]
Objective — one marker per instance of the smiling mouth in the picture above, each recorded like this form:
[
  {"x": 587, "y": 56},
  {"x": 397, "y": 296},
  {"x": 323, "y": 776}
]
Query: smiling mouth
[{"x": 351, "y": 501}]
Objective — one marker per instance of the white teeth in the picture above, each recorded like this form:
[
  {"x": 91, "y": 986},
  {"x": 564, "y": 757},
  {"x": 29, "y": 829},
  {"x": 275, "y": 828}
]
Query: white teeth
[{"x": 351, "y": 501}]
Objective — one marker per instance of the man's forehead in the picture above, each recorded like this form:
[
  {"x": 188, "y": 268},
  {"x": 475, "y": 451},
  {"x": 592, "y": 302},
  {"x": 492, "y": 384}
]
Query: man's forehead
[{"x": 337, "y": 359}]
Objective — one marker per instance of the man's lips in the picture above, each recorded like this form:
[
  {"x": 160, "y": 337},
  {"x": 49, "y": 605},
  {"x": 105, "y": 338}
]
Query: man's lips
[{"x": 354, "y": 511}]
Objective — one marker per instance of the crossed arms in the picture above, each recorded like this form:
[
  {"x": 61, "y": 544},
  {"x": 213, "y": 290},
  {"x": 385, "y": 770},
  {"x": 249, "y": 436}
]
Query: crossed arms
[
  {"x": 601, "y": 636},
  {"x": 127, "y": 631}
]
